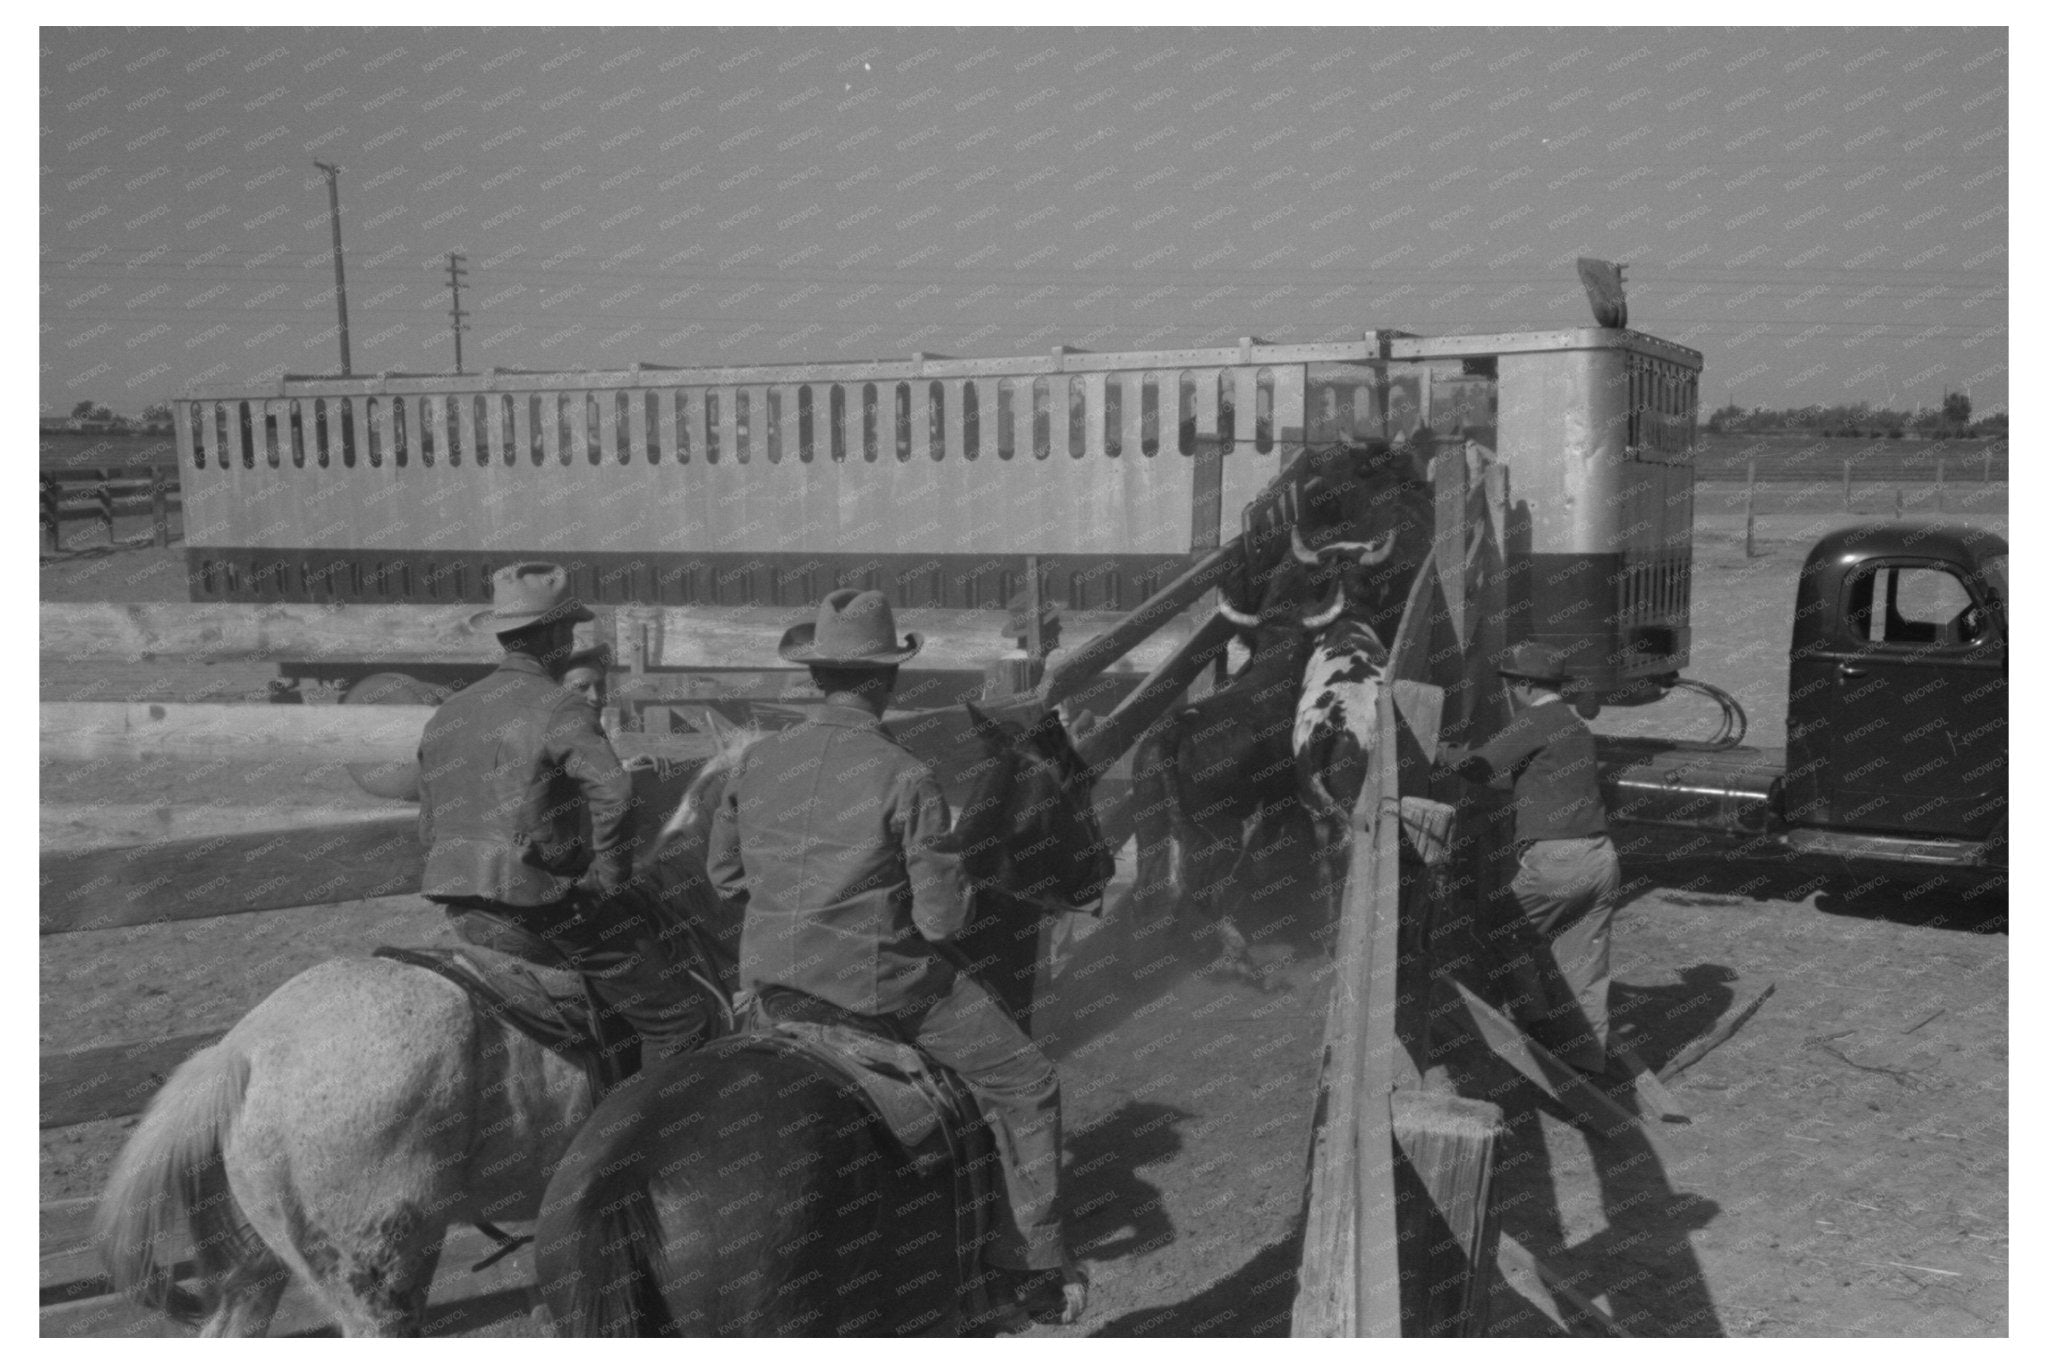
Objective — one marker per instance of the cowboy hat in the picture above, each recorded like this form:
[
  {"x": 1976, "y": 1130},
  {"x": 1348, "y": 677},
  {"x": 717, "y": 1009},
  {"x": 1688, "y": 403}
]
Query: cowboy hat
[
  {"x": 529, "y": 593},
  {"x": 1531, "y": 661},
  {"x": 853, "y": 630}
]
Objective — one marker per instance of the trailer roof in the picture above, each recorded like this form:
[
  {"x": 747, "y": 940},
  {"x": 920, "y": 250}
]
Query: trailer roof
[{"x": 1371, "y": 347}]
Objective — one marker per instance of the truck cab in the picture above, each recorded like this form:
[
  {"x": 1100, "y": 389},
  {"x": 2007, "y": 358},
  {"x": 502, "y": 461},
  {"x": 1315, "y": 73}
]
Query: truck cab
[{"x": 1896, "y": 713}]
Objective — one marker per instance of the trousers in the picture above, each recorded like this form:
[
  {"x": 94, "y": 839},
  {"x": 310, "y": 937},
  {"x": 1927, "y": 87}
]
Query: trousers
[
  {"x": 1568, "y": 890},
  {"x": 638, "y": 964},
  {"x": 968, "y": 1032}
]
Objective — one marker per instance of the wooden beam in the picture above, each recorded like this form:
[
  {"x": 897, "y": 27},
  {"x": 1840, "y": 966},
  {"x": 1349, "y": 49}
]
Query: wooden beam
[
  {"x": 1715, "y": 1036},
  {"x": 1596, "y": 1112},
  {"x": 1153, "y": 615},
  {"x": 123, "y": 731},
  {"x": 74, "y": 828},
  {"x": 111, "y": 1082},
  {"x": 681, "y": 637},
  {"x": 1351, "y": 1269},
  {"x": 1110, "y": 739},
  {"x": 1649, "y": 1089},
  {"x": 200, "y": 878}
]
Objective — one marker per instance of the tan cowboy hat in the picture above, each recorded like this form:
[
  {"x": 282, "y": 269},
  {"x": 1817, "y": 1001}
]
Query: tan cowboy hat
[
  {"x": 853, "y": 630},
  {"x": 529, "y": 593}
]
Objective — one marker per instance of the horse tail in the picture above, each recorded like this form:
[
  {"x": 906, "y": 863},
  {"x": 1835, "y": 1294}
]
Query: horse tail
[
  {"x": 601, "y": 1237},
  {"x": 170, "y": 1176}
]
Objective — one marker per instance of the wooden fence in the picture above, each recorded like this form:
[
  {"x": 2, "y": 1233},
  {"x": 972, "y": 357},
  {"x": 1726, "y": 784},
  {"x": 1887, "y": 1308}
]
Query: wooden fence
[
  {"x": 1401, "y": 1236},
  {"x": 1377, "y": 1261},
  {"x": 107, "y": 867},
  {"x": 100, "y": 494}
]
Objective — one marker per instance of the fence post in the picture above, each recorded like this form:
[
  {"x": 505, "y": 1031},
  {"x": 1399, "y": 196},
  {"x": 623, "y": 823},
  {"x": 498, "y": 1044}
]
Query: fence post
[
  {"x": 1898, "y": 501},
  {"x": 159, "y": 508},
  {"x": 1940, "y": 492},
  {"x": 1846, "y": 477},
  {"x": 1749, "y": 516},
  {"x": 50, "y": 511},
  {"x": 1987, "y": 464},
  {"x": 103, "y": 493}
]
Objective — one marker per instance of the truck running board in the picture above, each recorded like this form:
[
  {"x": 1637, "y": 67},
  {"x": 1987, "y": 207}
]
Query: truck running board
[{"x": 1945, "y": 852}]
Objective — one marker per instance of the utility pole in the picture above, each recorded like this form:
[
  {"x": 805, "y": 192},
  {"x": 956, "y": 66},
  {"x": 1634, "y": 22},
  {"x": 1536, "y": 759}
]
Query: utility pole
[
  {"x": 333, "y": 174},
  {"x": 455, "y": 313}
]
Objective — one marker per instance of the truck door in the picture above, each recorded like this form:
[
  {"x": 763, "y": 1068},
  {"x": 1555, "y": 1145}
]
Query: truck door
[{"x": 1916, "y": 726}]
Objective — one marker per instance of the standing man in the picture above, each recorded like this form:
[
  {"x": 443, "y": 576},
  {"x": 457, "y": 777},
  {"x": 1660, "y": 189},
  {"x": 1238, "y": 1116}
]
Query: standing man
[
  {"x": 523, "y": 808},
  {"x": 1568, "y": 879},
  {"x": 826, "y": 837}
]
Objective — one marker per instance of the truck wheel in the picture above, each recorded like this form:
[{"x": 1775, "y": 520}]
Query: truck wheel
[{"x": 398, "y": 780}]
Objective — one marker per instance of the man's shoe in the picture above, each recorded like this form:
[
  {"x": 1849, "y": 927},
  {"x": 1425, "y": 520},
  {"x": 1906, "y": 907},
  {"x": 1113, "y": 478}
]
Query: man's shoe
[{"x": 1050, "y": 1297}]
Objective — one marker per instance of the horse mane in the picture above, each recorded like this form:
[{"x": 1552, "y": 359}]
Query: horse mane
[{"x": 733, "y": 742}]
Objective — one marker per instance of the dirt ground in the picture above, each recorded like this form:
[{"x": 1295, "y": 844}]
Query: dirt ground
[{"x": 1843, "y": 1172}]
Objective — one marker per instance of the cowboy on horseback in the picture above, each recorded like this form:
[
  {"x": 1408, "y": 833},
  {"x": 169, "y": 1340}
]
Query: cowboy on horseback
[
  {"x": 827, "y": 837},
  {"x": 524, "y": 810}
]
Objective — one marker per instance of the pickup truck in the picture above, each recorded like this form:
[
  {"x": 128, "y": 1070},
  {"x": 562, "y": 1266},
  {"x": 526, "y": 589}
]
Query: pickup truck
[{"x": 1895, "y": 756}]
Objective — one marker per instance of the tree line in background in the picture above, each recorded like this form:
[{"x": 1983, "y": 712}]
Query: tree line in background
[
  {"x": 1950, "y": 421},
  {"x": 89, "y": 412}
]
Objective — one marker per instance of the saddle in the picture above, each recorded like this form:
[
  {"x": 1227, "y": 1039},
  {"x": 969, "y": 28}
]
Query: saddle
[
  {"x": 552, "y": 1006},
  {"x": 926, "y": 1109}
]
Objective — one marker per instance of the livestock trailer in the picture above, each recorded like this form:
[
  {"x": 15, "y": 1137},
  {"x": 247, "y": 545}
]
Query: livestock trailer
[{"x": 934, "y": 478}]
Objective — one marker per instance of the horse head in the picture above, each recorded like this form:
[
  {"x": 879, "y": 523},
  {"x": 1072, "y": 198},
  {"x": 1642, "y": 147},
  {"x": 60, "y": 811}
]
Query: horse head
[
  {"x": 691, "y": 822},
  {"x": 1027, "y": 824}
]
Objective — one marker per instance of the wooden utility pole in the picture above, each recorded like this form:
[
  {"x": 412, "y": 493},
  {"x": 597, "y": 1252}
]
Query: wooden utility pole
[
  {"x": 1749, "y": 516},
  {"x": 455, "y": 313},
  {"x": 333, "y": 174}
]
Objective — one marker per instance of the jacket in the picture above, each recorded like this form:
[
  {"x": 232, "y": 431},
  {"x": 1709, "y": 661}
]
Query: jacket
[
  {"x": 825, "y": 838},
  {"x": 1545, "y": 756},
  {"x": 520, "y": 792}
]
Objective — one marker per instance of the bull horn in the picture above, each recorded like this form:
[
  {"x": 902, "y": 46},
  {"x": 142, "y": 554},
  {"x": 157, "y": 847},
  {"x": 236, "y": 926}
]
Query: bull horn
[
  {"x": 1322, "y": 620},
  {"x": 1365, "y": 553},
  {"x": 1302, "y": 553}
]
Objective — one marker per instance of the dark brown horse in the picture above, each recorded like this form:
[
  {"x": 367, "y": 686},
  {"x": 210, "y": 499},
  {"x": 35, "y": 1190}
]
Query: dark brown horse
[
  {"x": 747, "y": 1190},
  {"x": 1219, "y": 783}
]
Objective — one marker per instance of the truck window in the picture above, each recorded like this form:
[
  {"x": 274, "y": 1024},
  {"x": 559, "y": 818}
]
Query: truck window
[{"x": 1915, "y": 606}]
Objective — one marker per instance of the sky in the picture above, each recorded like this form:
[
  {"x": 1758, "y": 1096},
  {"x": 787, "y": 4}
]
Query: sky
[{"x": 1822, "y": 212}]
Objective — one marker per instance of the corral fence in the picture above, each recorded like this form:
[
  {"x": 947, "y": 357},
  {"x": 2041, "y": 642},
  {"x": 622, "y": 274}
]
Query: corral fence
[
  {"x": 1821, "y": 459},
  {"x": 1402, "y": 1237},
  {"x": 99, "y": 494}
]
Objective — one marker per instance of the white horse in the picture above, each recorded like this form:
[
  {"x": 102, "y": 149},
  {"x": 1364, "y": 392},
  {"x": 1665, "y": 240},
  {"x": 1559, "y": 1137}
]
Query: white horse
[{"x": 340, "y": 1128}]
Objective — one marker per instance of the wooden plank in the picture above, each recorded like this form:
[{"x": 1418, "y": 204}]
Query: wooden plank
[
  {"x": 1350, "y": 1271},
  {"x": 690, "y": 637},
  {"x": 125, "y": 731},
  {"x": 69, "y": 828},
  {"x": 1157, "y": 611},
  {"x": 112, "y": 1081},
  {"x": 1715, "y": 1036},
  {"x": 198, "y": 878},
  {"x": 1650, "y": 1090},
  {"x": 1110, "y": 739},
  {"x": 1595, "y": 1111}
]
